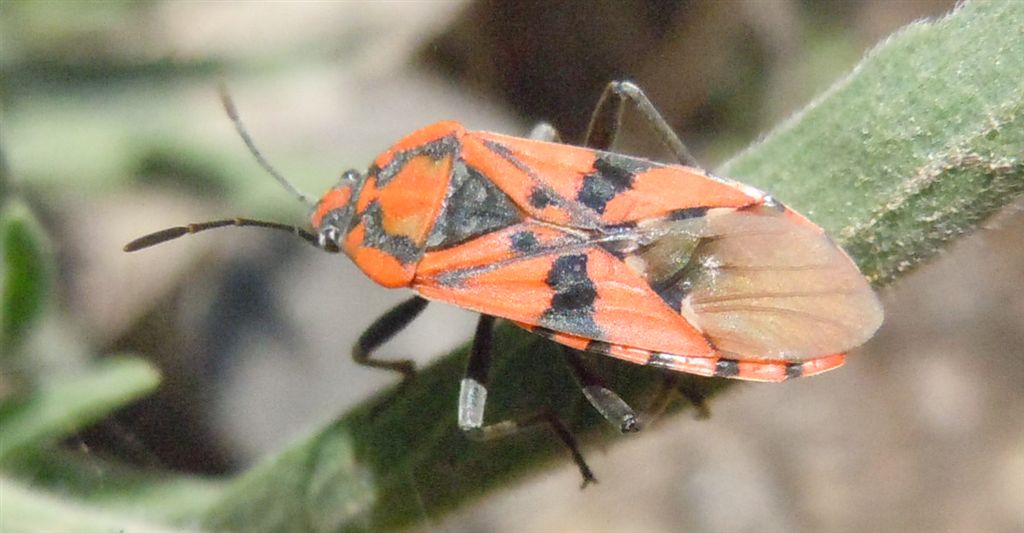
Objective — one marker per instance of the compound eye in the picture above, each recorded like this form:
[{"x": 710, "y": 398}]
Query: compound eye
[
  {"x": 350, "y": 177},
  {"x": 329, "y": 238}
]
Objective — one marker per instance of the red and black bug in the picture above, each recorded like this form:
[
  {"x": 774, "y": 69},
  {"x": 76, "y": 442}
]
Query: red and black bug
[{"x": 660, "y": 265}]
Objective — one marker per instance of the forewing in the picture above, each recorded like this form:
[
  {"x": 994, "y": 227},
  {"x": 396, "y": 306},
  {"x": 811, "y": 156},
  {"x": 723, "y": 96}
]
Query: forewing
[
  {"x": 541, "y": 276},
  {"x": 589, "y": 189},
  {"x": 762, "y": 284}
]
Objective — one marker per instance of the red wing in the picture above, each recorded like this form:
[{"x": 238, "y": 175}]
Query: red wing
[
  {"x": 761, "y": 285},
  {"x": 585, "y": 189},
  {"x": 534, "y": 274}
]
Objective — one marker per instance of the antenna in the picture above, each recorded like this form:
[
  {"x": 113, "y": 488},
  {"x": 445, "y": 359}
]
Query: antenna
[
  {"x": 170, "y": 234},
  {"x": 229, "y": 107}
]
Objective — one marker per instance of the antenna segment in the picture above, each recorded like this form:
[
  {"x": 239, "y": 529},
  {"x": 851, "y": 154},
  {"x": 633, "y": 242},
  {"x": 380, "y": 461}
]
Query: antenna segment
[{"x": 229, "y": 106}]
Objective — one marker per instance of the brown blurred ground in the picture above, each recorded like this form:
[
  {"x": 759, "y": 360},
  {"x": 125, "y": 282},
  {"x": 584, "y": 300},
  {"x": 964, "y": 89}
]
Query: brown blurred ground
[{"x": 921, "y": 430}]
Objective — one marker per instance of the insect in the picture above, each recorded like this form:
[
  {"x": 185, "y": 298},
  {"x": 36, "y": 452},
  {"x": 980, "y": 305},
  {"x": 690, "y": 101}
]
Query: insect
[{"x": 660, "y": 265}]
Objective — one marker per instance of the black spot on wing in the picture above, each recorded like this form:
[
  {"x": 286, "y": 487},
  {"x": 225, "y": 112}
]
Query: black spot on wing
[
  {"x": 673, "y": 294},
  {"x": 572, "y": 306},
  {"x": 400, "y": 247},
  {"x": 436, "y": 150},
  {"x": 612, "y": 175},
  {"x": 727, "y": 368},
  {"x": 524, "y": 241},
  {"x": 540, "y": 198},
  {"x": 473, "y": 206},
  {"x": 794, "y": 370}
]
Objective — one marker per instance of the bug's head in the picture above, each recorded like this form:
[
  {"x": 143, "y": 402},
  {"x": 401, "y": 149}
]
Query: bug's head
[{"x": 332, "y": 215}]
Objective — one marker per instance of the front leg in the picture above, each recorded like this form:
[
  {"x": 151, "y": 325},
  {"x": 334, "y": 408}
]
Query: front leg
[{"x": 382, "y": 330}]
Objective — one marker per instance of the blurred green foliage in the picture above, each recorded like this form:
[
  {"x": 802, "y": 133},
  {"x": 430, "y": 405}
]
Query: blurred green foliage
[
  {"x": 25, "y": 278},
  {"x": 62, "y": 406}
]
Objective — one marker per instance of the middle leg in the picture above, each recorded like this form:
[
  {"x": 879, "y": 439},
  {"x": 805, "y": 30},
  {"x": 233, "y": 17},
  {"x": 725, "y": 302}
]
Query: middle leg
[{"x": 473, "y": 403}]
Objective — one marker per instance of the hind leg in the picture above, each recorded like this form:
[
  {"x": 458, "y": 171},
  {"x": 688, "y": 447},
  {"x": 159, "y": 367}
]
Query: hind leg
[{"x": 606, "y": 121}]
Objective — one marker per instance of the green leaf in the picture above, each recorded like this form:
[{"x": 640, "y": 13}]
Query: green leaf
[
  {"x": 63, "y": 406},
  {"x": 25, "y": 277},
  {"x": 110, "y": 486},
  {"x": 915, "y": 147},
  {"x": 26, "y": 509}
]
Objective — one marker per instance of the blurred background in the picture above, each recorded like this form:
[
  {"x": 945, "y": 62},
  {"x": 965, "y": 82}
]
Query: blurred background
[{"x": 111, "y": 128}]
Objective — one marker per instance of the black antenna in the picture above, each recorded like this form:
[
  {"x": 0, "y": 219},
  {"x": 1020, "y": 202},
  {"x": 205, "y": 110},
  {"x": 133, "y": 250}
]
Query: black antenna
[
  {"x": 170, "y": 234},
  {"x": 229, "y": 106}
]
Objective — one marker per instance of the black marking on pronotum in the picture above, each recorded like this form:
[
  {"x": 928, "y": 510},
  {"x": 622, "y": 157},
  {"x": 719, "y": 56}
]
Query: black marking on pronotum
[
  {"x": 373, "y": 170},
  {"x": 341, "y": 218},
  {"x": 441, "y": 148},
  {"x": 474, "y": 206},
  {"x": 399, "y": 246},
  {"x": 686, "y": 213},
  {"x": 794, "y": 370},
  {"x": 435, "y": 150},
  {"x": 572, "y": 306},
  {"x": 524, "y": 241},
  {"x": 726, "y": 368}
]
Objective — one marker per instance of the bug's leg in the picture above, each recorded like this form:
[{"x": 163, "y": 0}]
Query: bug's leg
[
  {"x": 607, "y": 118},
  {"x": 473, "y": 400},
  {"x": 612, "y": 407},
  {"x": 544, "y": 131},
  {"x": 670, "y": 390},
  {"x": 382, "y": 330},
  {"x": 699, "y": 403}
]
